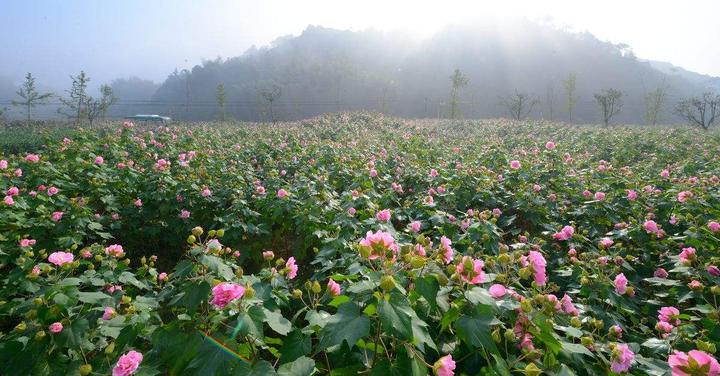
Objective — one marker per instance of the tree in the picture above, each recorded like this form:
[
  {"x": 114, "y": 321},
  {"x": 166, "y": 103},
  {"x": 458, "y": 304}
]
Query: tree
[
  {"x": 550, "y": 101},
  {"x": 570, "y": 89},
  {"x": 654, "y": 102},
  {"x": 610, "y": 103},
  {"x": 76, "y": 104},
  {"x": 519, "y": 105},
  {"x": 98, "y": 107},
  {"x": 220, "y": 97},
  {"x": 699, "y": 111},
  {"x": 459, "y": 81},
  {"x": 270, "y": 95},
  {"x": 30, "y": 96}
]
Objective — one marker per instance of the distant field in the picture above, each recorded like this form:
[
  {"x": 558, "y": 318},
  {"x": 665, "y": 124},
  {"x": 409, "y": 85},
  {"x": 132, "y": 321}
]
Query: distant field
[{"x": 356, "y": 243}]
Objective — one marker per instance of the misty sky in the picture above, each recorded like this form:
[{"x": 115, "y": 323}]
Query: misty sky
[{"x": 110, "y": 39}]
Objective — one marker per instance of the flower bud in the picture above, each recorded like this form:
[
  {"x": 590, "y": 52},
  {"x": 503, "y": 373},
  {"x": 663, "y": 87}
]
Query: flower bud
[
  {"x": 39, "y": 335},
  {"x": 197, "y": 231},
  {"x": 526, "y": 306},
  {"x": 85, "y": 369},
  {"x": 387, "y": 283},
  {"x": 532, "y": 370},
  {"x": 211, "y": 233},
  {"x": 191, "y": 239},
  {"x": 220, "y": 233},
  {"x": 316, "y": 288},
  {"x": 126, "y": 299},
  {"x": 297, "y": 294},
  {"x": 21, "y": 327},
  {"x": 110, "y": 348},
  {"x": 249, "y": 292}
]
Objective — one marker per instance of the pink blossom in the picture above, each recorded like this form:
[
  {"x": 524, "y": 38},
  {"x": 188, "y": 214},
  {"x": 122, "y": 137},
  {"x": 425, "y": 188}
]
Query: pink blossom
[
  {"x": 702, "y": 363},
  {"x": 497, "y": 212},
  {"x": 115, "y": 250},
  {"x": 281, "y": 193},
  {"x": 373, "y": 172},
  {"x": 586, "y": 193},
  {"x": 108, "y": 313},
  {"x": 433, "y": 173},
  {"x": 333, "y": 288},
  {"x": 660, "y": 273},
  {"x": 226, "y": 292},
  {"x": 684, "y": 195},
  {"x": 687, "y": 255},
  {"x": 445, "y": 246},
  {"x": 497, "y": 291},
  {"x": 620, "y": 283},
  {"x": 3, "y": 164},
  {"x": 291, "y": 267},
  {"x": 162, "y": 164},
  {"x": 616, "y": 330},
  {"x": 550, "y": 145},
  {"x": 184, "y": 214},
  {"x": 695, "y": 284},
  {"x": 650, "y": 227},
  {"x": 268, "y": 255},
  {"x": 599, "y": 196},
  {"x": 351, "y": 211},
  {"x": 34, "y": 158},
  {"x": 538, "y": 263},
  {"x": 8, "y": 200},
  {"x": 631, "y": 195},
  {"x": 537, "y": 188},
  {"x": 606, "y": 242},
  {"x": 162, "y": 277},
  {"x": 378, "y": 244},
  {"x": 383, "y": 215},
  {"x": 13, "y": 191},
  {"x": 665, "y": 173},
  {"x": 18, "y": 172},
  {"x": 669, "y": 315},
  {"x": 27, "y": 242},
  {"x": 713, "y": 270},
  {"x": 714, "y": 226},
  {"x": 470, "y": 270},
  {"x": 568, "y": 307},
  {"x": 564, "y": 234},
  {"x": 56, "y": 327},
  {"x": 61, "y": 258},
  {"x": 56, "y": 216},
  {"x": 515, "y": 164},
  {"x": 99, "y": 160},
  {"x": 52, "y": 191},
  {"x": 138, "y": 202},
  {"x": 127, "y": 364},
  {"x": 622, "y": 357},
  {"x": 445, "y": 366}
]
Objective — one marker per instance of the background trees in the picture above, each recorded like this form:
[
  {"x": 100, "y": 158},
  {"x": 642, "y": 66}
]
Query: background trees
[
  {"x": 699, "y": 111},
  {"x": 610, "y": 103},
  {"x": 31, "y": 97}
]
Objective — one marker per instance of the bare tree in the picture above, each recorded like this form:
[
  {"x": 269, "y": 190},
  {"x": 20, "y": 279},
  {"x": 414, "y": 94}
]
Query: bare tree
[
  {"x": 459, "y": 81},
  {"x": 699, "y": 111},
  {"x": 76, "y": 104},
  {"x": 610, "y": 103},
  {"x": 550, "y": 101},
  {"x": 654, "y": 102},
  {"x": 519, "y": 105},
  {"x": 570, "y": 89},
  {"x": 220, "y": 97},
  {"x": 98, "y": 107},
  {"x": 30, "y": 96},
  {"x": 270, "y": 95}
]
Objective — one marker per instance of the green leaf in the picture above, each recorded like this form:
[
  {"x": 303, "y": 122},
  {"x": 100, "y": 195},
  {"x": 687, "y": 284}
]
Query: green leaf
[
  {"x": 218, "y": 266},
  {"x": 261, "y": 368},
  {"x": 295, "y": 345},
  {"x": 575, "y": 348},
  {"x": 92, "y": 297},
  {"x": 399, "y": 319},
  {"x": 428, "y": 288},
  {"x": 129, "y": 278},
  {"x": 302, "y": 366},
  {"x": 72, "y": 335},
  {"x": 277, "y": 322},
  {"x": 475, "y": 329},
  {"x": 347, "y": 325},
  {"x": 69, "y": 282}
]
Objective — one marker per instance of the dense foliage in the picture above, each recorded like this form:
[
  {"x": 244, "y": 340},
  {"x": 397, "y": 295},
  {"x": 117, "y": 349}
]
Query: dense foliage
[{"x": 358, "y": 243}]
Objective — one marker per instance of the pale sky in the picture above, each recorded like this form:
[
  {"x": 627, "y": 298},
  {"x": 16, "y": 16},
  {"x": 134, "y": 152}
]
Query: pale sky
[{"x": 149, "y": 38}]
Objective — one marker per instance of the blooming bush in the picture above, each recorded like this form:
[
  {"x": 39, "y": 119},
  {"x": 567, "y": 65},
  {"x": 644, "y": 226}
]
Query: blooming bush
[{"x": 355, "y": 243}]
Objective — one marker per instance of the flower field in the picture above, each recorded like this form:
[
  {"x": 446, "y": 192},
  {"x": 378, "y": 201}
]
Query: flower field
[{"x": 356, "y": 243}]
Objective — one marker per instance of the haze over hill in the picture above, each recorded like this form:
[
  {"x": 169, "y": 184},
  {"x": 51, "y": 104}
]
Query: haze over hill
[{"x": 325, "y": 69}]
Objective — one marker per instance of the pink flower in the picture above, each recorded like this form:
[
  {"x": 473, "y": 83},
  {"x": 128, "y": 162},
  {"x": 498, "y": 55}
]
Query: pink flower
[
  {"x": 226, "y": 292},
  {"x": 162, "y": 164},
  {"x": 687, "y": 255},
  {"x": 470, "y": 270},
  {"x": 620, "y": 283},
  {"x": 497, "y": 212},
  {"x": 34, "y": 158},
  {"x": 61, "y": 258},
  {"x": 351, "y": 211},
  {"x": 378, "y": 244},
  {"x": 714, "y": 226},
  {"x": 138, "y": 202},
  {"x": 631, "y": 195},
  {"x": 665, "y": 173},
  {"x": 162, "y": 277},
  {"x": 56, "y": 216},
  {"x": 669, "y": 315},
  {"x": 373, "y": 172},
  {"x": 515, "y": 165},
  {"x": 13, "y": 191},
  {"x": 8, "y": 200},
  {"x": 27, "y": 242},
  {"x": 99, "y": 160},
  {"x": 333, "y": 288},
  {"x": 445, "y": 366},
  {"x": 108, "y": 313},
  {"x": 383, "y": 215},
  {"x": 184, "y": 214},
  {"x": 281, "y": 193},
  {"x": 538, "y": 263},
  {"x": 684, "y": 195},
  {"x": 445, "y": 246},
  {"x": 564, "y": 234},
  {"x": 713, "y": 270},
  {"x": 497, "y": 291},
  {"x": 702, "y": 363},
  {"x": 550, "y": 145},
  {"x": 268, "y": 255},
  {"x": 568, "y": 306},
  {"x": 56, "y": 327},
  {"x": 52, "y": 191},
  {"x": 416, "y": 225},
  {"x": 599, "y": 196},
  {"x": 3, "y": 164},
  {"x": 621, "y": 358},
  {"x": 291, "y": 267},
  {"x": 206, "y": 192},
  {"x": 127, "y": 364},
  {"x": 18, "y": 172},
  {"x": 586, "y": 193},
  {"x": 606, "y": 242},
  {"x": 660, "y": 273},
  {"x": 115, "y": 250},
  {"x": 433, "y": 173},
  {"x": 651, "y": 227}
]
